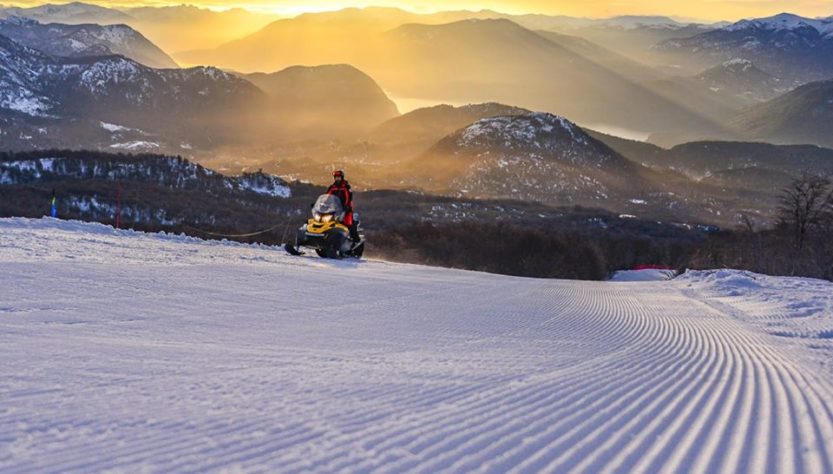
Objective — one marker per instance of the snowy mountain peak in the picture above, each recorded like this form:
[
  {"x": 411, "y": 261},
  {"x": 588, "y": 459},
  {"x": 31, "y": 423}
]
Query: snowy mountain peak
[
  {"x": 540, "y": 131},
  {"x": 70, "y": 8},
  {"x": 491, "y": 109},
  {"x": 787, "y": 46},
  {"x": 74, "y": 13},
  {"x": 537, "y": 156},
  {"x": 113, "y": 89},
  {"x": 85, "y": 40},
  {"x": 783, "y": 21}
]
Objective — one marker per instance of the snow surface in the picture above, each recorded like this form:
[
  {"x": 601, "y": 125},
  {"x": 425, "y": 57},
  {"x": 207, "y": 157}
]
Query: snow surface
[
  {"x": 643, "y": 275},
  {"x": 787, "y": 307},
  {"x": 132, "y": 352}
]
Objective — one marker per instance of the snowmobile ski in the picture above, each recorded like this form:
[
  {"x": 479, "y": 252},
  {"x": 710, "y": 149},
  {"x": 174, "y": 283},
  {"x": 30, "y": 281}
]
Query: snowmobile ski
[{"x": 291, "y": 250}]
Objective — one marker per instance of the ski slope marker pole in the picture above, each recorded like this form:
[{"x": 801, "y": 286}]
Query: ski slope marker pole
[{"x": 54, "y": 204}]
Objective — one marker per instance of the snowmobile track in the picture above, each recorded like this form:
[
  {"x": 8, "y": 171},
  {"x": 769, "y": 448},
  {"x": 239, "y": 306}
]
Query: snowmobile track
[{"x": 129, "y": 351}]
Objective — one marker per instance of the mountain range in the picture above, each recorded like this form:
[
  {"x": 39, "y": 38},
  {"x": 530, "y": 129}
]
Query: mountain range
[
  {"x": 741, "y": 80},
  {"x": 601, "y": 86},
  {"x": 114, "y": 102},
  {"x": 635, "y": 37},
  {"x": 84, "y": 40},
  {"x": 72, "y": 98},
  {"x": 804, "y": 115},
  {"x": 326, "y": 100},
  {"x": 534, "y": 156},
  {"x": 540, "y": 96},
  {"x": 787, "y": 46},
  {"x": 174, "y": 28},
  {"x": 72, "y": 13},
  {"x": 425, "y": 127},
  {"x": 547, "y": 63},
  {"x": 468, "y": 61}
]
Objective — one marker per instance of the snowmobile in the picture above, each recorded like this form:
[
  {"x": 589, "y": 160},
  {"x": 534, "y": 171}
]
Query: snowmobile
[{"x": 326, "y": 233}]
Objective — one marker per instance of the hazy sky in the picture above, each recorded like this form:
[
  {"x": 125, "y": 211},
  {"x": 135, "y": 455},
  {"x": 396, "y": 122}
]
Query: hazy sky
[{"x": 704, "y": 9}]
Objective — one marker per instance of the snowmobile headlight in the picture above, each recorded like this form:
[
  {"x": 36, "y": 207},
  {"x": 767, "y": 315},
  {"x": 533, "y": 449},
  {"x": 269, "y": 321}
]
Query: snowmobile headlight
[
  {"x": 326, "y": 218},
  {"x": 317, "y": 217}
]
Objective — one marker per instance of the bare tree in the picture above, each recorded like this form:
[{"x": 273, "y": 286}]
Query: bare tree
[
  {"x": 804, "y": 206},
  {"x": 747, "y": 224}
]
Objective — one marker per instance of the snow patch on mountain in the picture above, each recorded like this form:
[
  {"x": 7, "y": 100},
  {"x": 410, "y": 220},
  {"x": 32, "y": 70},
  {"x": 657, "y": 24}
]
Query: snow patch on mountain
[
  {"x": 265, "y": 184},
  {"x": 738, "y": 64},
  {"x": 523, "y": 131},
  {"x": 24, "y": 101},
  {"x": 111, "y": 127},
  {"x": 102, "y": 74},
  {"x": 137, "y": 145}
]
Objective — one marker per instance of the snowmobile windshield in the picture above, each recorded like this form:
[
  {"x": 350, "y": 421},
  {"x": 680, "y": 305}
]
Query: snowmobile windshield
[{"x": 328, "y": 204}]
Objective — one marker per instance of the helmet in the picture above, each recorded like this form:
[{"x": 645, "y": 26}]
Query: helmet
[{"x": 338, "y": 174}]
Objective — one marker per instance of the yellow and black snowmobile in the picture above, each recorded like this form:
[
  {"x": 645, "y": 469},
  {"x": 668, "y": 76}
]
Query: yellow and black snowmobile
[{"x": 326, "y": 233}]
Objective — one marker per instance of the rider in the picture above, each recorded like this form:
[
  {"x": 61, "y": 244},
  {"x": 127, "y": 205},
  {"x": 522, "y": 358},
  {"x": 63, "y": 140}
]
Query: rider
[{"x": 341, "y": 189}]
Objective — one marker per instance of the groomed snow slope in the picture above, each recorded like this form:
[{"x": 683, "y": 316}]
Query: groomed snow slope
[{"x": 137, "y": 352}]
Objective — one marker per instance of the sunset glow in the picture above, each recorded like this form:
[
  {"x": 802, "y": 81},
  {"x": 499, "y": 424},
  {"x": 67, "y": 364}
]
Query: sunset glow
[{"x": 690, "y": 9}]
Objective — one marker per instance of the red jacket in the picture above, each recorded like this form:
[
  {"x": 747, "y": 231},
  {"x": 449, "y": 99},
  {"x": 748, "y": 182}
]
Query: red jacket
[{"x": 342, "y": 190}]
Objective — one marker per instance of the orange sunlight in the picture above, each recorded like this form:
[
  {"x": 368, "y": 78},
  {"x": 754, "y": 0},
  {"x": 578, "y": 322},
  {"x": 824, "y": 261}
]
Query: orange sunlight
[{"x": 688, "y": 9}]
